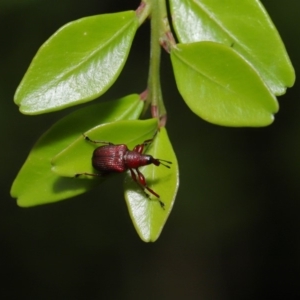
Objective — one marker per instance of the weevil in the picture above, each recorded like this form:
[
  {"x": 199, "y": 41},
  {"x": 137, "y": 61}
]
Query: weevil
[{"x": 117, "y": 158}]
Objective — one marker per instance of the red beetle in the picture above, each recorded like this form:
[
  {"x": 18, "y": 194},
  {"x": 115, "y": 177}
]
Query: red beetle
[{"x": 111, "y": 158}]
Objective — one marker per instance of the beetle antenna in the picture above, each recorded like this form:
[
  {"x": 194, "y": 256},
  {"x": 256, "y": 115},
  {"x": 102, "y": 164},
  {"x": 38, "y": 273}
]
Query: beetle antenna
[{"x": 162, "y": 162}]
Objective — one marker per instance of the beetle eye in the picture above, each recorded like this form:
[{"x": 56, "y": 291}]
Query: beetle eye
[{"x": 149, "y": 159}]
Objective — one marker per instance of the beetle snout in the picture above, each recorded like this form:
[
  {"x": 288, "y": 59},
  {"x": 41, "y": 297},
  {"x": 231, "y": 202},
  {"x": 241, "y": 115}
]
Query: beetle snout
[
  {"x": 151, "y": 160},
  {"x": 155, "y": 161}
]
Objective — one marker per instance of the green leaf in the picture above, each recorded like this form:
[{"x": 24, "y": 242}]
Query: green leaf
[
  {"x": 36, "y": 184},
  {"x": 220, "y": 87},
  {"x": 146, "y": 213},
  {"x": 76, "y": 158},
  {"x": 244, "y": 25},
  {"x": 78, "y": 63}
]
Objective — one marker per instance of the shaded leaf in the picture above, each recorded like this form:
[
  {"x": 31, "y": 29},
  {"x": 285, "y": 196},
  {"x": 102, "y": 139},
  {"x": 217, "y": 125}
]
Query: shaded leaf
[
  {"x": 244, "y": 25},
  {"x": 36, "y": 184},
  {"x": 146, "y": 213},
  {"x": 78, "y": 63},
  {"x": 220, "y": 87}
]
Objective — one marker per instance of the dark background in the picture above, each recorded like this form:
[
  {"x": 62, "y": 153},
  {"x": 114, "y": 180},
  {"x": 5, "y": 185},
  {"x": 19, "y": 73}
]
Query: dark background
[{"x": 234, "y": 230}]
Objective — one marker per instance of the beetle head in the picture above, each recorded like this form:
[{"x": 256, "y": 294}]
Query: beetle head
[{"x": 157, "y": 161}]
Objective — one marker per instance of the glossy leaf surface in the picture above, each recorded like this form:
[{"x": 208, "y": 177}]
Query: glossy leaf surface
[
  {"x": 76, "y": 158},
  {"x": 244, "y": 25},
  {"x": 220, "y": 87},
  {"x": 36, "y": 184},
  {"x": 78, "y": 63},
  {"x": 146, "y": 213}
]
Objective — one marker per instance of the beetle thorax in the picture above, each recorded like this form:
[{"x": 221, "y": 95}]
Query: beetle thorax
[{"x": 133, "y": 159}]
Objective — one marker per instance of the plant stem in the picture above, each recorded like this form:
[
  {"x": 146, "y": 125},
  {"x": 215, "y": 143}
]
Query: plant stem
[
  {"x": 161, "y": 36},
  {"x": 158, "y": 14}
]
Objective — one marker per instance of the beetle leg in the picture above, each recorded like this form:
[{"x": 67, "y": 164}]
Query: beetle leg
[
  {"x": 141, "y": 181},
  {"x": 96, "y": 142},
  {"x": 140, "y": 148}
]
